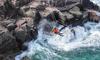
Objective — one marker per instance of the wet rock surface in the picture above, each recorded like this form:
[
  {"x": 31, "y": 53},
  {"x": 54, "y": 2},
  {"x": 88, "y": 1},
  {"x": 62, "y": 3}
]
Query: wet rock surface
[{"x": 25, "y": 58}]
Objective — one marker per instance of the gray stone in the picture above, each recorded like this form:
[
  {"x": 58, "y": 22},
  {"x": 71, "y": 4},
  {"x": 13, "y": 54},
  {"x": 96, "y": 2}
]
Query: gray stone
[
  {"x": 68, "y": 15},
  {"x": 7, "y": 42},
  {"x": 23, "y": 2},
  {"x": 20, "y": 34},
  {"x": 75, "y": 10},
  {"x": 11, "y": 27},
  {"x": 8, "y": 56},
  {"x": 40, "y": 7}
]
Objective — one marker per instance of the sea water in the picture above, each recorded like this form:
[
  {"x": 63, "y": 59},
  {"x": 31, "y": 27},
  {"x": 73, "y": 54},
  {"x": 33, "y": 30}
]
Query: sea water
[{"x": 82, "y": 44}]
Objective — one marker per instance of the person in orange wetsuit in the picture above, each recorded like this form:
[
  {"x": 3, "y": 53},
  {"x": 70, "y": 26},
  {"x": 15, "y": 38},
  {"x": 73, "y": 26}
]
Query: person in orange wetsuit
[{"x": 56, "y": 31}]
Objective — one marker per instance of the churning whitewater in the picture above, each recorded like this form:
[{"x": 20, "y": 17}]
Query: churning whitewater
[
  {"x": 77, "y": 43},
  {"x": 97, "y": 2}
]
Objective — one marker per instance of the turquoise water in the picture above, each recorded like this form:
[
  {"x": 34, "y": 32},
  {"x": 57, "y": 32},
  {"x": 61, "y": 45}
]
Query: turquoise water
[
  {"x": 78, "y": 54},
  {"x": 83, "y": 54},
  {"x": 83, "y": 44}
]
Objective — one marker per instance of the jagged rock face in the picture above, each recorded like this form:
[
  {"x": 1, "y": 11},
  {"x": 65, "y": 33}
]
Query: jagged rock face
[
  {"x": 7, "y": 42},
  {"x": 40, "y": 7},
  {"x": 25, "y": 31},
  {"x": 37, "y": 18},
  {"x": 20, "y": 35},
  {"x": 12, "y": 6},
  {"x": 23, "y": 2},
  {"x": 20, "y": 31},
  {"x": 7, "y": 57},
  {"x": 19, "y": 2},
  {"x": 59, "y": 3},
  {"x": 93, "y": 16}
]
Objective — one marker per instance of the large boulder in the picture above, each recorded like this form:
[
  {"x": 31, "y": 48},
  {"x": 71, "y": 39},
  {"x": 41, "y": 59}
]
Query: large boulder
[
  {"x": 93, "y": 15},
  {"x": 20, "y": 34},
  {"x": 37, "y": 18},
  {"x": 76, "y": 10},
  {"x": 25, "y": 31}
]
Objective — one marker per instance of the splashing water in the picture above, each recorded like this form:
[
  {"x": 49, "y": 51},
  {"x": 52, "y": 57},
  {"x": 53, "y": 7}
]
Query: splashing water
[
  {"x": 80, "y": 44},
  {"x": 97, "y": 2}
]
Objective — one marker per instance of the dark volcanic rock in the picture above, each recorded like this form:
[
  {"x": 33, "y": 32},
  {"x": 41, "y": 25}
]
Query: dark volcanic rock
[
  {"x": 8, "y": 8},
  {"x": 11, "y": 8},
  {"x": 5, "y": 23},
  {"x": 7, "y": 42},
  {"x": 23, "y": 2},
  {"x": 11, "y": 27},
  {"x": 25, "y": 31},
  {"x": 40, "y": 7},
  {"x": 37, "y": 18},
  {"x": 8, "y": 56},
  {"x": 20, "y": 35}
]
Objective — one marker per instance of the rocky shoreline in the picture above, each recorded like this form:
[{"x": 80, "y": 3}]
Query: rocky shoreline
[{"x": 19, "y": 20}]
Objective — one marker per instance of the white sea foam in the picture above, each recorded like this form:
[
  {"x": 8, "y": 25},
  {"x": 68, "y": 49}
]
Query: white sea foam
[{"x": 86, "y": 36}]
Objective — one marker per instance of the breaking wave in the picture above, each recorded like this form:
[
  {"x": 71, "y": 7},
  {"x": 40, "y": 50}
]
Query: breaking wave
[{"x": 77, "y": 43}]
